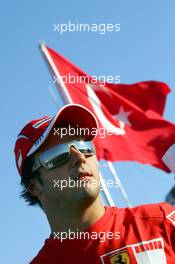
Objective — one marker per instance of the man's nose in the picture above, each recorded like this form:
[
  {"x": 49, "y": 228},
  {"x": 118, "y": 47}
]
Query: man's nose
[{"x": 76, "y": 156}]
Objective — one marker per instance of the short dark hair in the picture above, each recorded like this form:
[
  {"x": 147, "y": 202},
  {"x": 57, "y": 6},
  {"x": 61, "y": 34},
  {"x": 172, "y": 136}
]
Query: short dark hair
[{"x": 26, "y": 177}]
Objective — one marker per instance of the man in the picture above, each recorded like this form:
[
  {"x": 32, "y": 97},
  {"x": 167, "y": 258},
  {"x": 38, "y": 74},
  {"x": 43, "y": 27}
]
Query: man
[{"x": 59, "y": 172}]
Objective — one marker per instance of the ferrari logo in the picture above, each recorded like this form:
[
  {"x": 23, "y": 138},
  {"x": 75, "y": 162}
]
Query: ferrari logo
[{"x": 120, "y": 258}]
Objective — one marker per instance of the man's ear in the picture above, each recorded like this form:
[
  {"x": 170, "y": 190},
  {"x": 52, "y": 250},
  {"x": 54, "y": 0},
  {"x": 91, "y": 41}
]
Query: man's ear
[{"x": 34, "y": 188}]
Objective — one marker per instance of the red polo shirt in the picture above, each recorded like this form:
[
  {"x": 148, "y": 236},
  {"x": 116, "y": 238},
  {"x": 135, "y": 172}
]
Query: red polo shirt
[{"x": 140, "y": 235}]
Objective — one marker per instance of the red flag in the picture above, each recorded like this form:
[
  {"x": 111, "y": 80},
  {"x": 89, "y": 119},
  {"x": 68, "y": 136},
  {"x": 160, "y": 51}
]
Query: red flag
[{"x": 132, "y": 114}]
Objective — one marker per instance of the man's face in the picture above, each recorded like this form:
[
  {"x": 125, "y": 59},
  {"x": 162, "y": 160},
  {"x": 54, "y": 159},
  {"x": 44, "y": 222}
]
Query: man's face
[{"x": 75, "y": 181}]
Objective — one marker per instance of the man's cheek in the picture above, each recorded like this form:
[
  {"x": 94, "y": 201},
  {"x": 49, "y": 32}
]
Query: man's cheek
[
  {"x": 92, "y": 161},
  {"x": 95, "y": 168}
]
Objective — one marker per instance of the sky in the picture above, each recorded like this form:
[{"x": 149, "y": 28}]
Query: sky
[{"x": 143, "y": 49}]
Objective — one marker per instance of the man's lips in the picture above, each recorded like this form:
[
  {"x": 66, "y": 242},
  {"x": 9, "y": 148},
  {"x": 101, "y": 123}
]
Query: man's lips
[
  {"x": 80, "y": 173},
  {"x": 83, "y": 176}
]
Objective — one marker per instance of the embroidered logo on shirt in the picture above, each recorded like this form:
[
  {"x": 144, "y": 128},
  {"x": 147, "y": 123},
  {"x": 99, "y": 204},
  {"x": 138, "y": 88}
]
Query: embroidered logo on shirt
[
  {"x": 121, "y": 258},
  {"x": 144, "y": 252}
]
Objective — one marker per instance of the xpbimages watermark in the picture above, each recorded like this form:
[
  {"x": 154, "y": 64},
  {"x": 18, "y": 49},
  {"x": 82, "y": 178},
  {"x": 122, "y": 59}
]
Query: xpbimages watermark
[
  {"x": 85, "y": 79},
  {"x": 82, "y": 132},
  {"x": 70, "y": 183},
  {"x": 100, "y": 28},
  {"x": 101, "y": 236}
]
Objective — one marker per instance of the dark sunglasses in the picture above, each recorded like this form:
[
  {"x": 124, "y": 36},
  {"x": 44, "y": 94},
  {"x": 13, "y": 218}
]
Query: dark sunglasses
[{"x": 60, "y": 153}]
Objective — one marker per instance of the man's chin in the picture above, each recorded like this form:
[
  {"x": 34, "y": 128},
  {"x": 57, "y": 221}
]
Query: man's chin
[{"x": 84, "y": 197}]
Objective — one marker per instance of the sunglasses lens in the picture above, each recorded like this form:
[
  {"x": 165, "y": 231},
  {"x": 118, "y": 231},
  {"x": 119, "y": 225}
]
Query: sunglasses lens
[
  {"x": 86, "y": 151},
  {"x": 85, "y": 147},
  {"x": 59, "y": 154},
  {"x": 58, "y": 160}
]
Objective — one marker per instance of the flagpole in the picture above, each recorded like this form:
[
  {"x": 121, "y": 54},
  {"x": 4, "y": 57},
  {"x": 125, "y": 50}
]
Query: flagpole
[
  {"x": 68, "y": 100},
  {"x": 122, "y": 190},
  {"x": 65, "y": 94}
]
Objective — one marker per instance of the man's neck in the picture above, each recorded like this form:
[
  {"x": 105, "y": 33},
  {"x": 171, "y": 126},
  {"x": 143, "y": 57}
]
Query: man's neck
[{"x": 63, "y": 219}]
